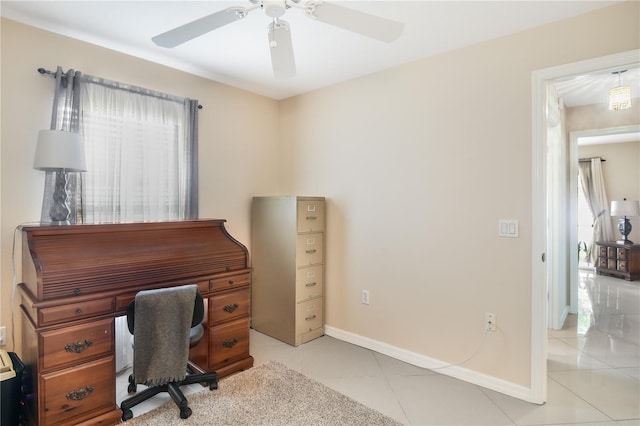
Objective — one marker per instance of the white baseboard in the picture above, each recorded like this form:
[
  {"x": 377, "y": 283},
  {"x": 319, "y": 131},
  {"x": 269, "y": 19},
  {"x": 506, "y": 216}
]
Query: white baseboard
[{"x": 458, "y": 372}]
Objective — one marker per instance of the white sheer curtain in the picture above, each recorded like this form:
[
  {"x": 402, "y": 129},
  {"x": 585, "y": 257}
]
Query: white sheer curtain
[
  {"x": 594, "y": 191},
  {"x": 139, "y": 147}
]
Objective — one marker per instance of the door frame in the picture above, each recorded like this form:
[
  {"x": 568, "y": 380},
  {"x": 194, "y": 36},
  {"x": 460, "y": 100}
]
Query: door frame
[{"x": 539, "y": 203}]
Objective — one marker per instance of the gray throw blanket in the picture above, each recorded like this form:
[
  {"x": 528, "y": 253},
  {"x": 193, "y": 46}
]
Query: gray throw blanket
[{"x": 161, "y": 334}]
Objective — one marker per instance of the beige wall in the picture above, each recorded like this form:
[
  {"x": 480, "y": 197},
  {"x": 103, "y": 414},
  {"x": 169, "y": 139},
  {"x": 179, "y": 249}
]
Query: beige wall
[
  {"x": 418, "y": 163},
  {"x": 238, "y": 131}
]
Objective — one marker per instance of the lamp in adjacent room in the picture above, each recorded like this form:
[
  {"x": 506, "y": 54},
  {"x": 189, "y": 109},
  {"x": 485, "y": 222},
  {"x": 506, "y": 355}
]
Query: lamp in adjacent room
[
  {"x": 619, "y": 96},
  {"x": 61, "y": 152},
  {"x": 625, "y": 209}
]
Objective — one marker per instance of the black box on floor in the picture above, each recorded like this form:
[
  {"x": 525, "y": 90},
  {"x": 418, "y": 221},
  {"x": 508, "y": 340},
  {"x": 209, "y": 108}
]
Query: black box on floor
[{"x": 11, "y": 391}]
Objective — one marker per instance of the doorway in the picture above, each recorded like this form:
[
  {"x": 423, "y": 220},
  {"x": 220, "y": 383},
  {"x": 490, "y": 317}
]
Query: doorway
[{"x": 544, "y": 209}]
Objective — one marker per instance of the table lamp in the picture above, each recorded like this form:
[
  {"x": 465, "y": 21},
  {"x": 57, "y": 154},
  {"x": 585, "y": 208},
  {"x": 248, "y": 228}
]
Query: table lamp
[
  {"x": 625, "y": 209},
  {"x": 61, "y": 152}
]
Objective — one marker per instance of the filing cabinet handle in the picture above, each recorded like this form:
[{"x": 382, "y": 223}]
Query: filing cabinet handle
[
  {"x": 79, "y": 346},
  {"x": 230, "y": 308},
  {"x": 78, "y": 311},
  {"x": 312, "y": 317},
  {"x": 230, "y": 343},
  {"x": 80, "y": 394},
  {"x": 310, "y": 284},
  {"x": 312, "y": 217},
  {"x": 311, "y": 251}
]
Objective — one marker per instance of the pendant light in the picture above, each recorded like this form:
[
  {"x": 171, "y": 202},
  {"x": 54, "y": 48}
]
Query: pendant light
[{"x": 620, "y": 96}]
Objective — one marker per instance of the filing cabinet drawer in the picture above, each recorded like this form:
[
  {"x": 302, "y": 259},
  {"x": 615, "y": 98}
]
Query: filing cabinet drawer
[
  {"x": 308, "y": 316},
  {"x": 228, "y": 342},
  {"x": 310, "y": 216},
  {"x": 76, "y": 311},
  {"x": 230, "y": 282},
  {"x": 309, "y": 283},
  {"x": 72, "y": 392},
  {"x": 71, "y": 345},
  {"x": 309, "y": 250},
  {"x": 229, "y": 306}
]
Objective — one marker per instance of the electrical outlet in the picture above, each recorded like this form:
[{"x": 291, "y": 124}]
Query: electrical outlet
[
  {"x": 490, "y": 321},
  {"x": 365, "y": 297},
  {"x": 3, "y": 335}
]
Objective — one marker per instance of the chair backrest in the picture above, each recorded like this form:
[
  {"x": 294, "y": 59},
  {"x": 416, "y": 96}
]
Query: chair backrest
[{"x": 198, "y": 312}]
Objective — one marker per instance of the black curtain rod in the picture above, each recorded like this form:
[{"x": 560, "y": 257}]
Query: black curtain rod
[
  {"x": 582, "y": 160},
  {"x": 44, "y": 71}
]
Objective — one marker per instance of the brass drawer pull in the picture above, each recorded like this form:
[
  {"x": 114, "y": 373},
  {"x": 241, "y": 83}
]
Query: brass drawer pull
[
  {"x": 78, "y": 311},
  {"x": 79, "y": 346},
  {"x": 231, "y": 308},
  {"x": 312, "y": 317},
  {"x": 77, "y": 291},
  {"x": 311, "y": 251},
  {"x": 230, "y": 282},
  {"x": 230, "y": 343},
  {"x": 310, "y": 284},
  {"x": 80, "y": 394}
]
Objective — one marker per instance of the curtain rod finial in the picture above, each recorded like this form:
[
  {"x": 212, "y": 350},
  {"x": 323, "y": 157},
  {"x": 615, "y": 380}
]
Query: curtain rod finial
[{"x": 43, "y": 71}]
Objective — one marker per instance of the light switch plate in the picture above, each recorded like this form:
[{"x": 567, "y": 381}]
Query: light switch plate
[{"x": 508, "y": 228}]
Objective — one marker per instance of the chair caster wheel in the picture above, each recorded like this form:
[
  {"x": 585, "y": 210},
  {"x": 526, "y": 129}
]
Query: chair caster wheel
[
  {"x": 213, "y": 385},
  {"x": 132, "y": 388},
  {"x": 126, "y": 415},
  {"x": 185, "y": 412}
]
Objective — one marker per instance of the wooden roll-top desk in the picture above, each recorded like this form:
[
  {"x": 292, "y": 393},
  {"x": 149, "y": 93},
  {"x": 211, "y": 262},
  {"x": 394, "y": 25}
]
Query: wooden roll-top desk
[{"x": 77, "y": 279}]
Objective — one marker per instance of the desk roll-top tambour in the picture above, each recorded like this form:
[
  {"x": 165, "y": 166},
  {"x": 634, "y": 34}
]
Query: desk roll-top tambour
[{"x": 77, "y": 279}]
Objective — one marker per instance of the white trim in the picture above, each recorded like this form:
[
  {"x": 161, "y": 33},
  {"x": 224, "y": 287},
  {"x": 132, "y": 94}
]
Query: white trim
[
  {"x": 540, "y": 79},
  {"x": 458, "y": 372}
]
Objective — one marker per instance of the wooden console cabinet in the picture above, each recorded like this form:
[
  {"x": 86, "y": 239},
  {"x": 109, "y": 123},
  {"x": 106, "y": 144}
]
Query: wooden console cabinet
[
  {"x": 77, "y": 279},
  {"x": 618, "y": 260}
]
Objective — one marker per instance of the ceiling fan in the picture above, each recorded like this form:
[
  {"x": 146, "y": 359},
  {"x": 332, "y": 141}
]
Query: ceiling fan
[{"x": 282, "y": 58}]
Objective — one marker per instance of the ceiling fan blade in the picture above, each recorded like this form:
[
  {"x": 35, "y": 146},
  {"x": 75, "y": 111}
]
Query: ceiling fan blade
[
  {"x": 191, "y": 30},
  {"x": 281, "y": 48},
  {"x": 354, "y": 20}
]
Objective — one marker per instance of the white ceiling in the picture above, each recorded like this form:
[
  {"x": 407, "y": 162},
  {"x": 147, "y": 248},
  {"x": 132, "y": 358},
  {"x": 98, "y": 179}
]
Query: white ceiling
[{"x": 238, "y": 54}]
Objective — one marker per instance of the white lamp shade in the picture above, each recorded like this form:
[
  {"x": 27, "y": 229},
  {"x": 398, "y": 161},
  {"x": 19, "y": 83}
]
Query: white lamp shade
[
  {"x": 625, "y": 208},
  {"x": 59, "y": 150}
]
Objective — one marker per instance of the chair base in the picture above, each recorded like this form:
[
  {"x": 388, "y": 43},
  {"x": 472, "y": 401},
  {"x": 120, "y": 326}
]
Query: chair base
[{"x": 173, "y": 389}]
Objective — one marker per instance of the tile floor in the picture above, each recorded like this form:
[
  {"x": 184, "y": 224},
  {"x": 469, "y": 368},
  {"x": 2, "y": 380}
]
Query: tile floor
[{"x": 593, "y": 369}]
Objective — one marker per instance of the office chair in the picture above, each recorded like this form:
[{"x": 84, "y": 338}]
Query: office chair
[{"x": 194, "y": 373}]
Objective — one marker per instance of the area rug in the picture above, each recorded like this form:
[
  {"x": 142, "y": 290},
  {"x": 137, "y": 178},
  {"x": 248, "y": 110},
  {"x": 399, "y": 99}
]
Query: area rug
[{"x": 268, "y": 394}]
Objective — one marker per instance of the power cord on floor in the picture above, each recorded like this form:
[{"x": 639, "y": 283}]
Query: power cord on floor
[{"x": 475, "y": 352}]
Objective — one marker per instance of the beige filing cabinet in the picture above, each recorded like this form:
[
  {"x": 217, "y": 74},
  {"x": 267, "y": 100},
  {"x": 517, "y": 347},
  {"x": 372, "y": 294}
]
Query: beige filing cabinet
[{"x": 287, "y": 252}]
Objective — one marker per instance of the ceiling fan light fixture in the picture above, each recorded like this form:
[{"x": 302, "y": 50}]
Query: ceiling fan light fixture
[{"x": 619, "y": 96}]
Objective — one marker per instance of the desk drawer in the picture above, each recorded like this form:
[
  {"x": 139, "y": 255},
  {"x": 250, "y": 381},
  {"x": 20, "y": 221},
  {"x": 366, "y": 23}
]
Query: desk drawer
[
  {"x": 230, "y": 282},
  {"x": 73, "y": 392},
  {"x": 74, "y": 344},
  {"x": 230, "y": 305},
  {"x": 228, "y": 342},
  {"x": 75, "y": 311}
]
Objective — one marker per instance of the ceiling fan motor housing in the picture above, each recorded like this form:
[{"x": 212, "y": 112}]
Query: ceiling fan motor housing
[{"x": 274, "y": 8}]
